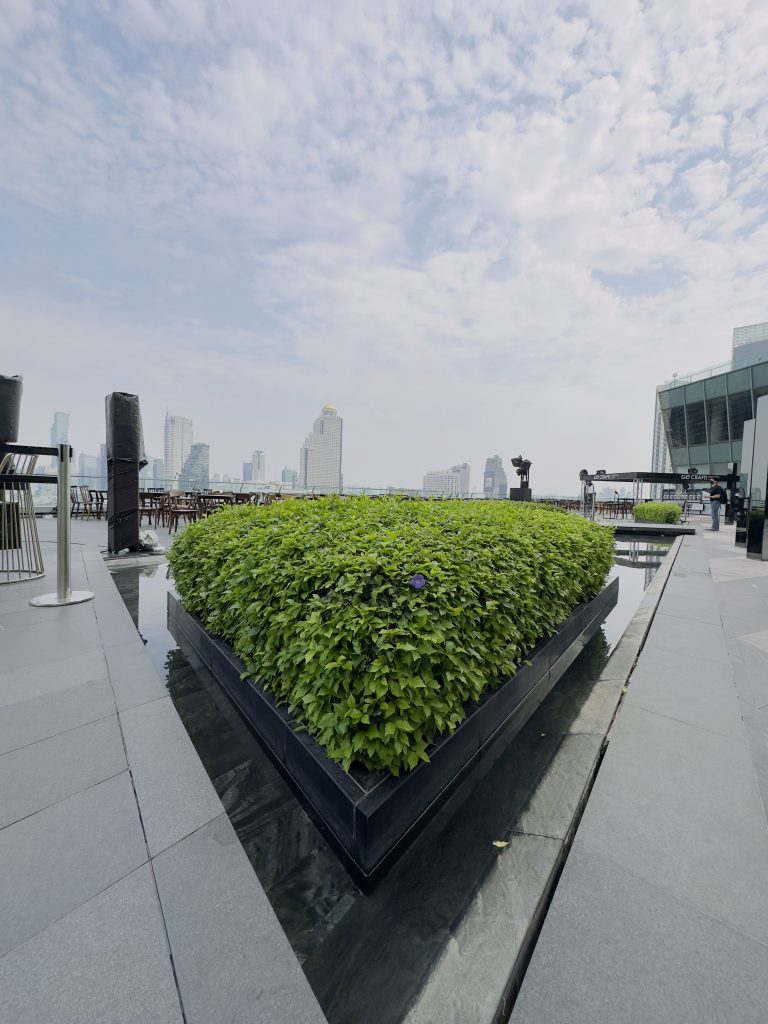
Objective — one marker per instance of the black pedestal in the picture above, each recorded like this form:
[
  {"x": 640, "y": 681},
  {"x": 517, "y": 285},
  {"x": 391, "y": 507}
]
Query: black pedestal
[
  {"x": 122, "y": 506},
  {"x": 520, "y": 494}
]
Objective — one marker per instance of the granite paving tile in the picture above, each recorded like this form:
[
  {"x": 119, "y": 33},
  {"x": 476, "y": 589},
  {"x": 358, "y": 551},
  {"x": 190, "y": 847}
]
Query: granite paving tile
[
  {"x": 679, "y": 806},
  {"x": 56, "y": 859},
  {"x": 618, "y": 950},
  {"x": 28, "y": 721},
  {"x": 106, "y": 962},
  {"x": 695, "y": 639},
  {"x": 51, "y": 674},
  {"x": 134, "y": 679},
  {"x": 42, "y": 773},
  {"x": 700, "y": 693},
  {"x": 232, "y": 959},
  {"x": 173, "y": 789},
  {"x": 49, "y": 641},
  {"x": 690, "y": 601}
]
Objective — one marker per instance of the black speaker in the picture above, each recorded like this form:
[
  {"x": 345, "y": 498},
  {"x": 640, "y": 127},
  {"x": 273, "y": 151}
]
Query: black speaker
[
  {"x": 10, "y": 408},
  {"x": 125, "y": 457}
]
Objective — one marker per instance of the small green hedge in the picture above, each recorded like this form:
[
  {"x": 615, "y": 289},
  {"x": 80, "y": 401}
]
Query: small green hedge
[
  {"x": 376, "y": 621},
  {"x": 657, "y": 512}
]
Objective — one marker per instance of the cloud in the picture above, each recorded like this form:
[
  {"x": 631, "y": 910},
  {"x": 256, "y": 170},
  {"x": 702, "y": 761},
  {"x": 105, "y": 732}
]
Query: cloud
[{"x": 444, "y": 218}]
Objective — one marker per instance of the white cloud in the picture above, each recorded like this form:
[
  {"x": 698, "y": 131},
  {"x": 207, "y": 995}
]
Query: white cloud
[{"x": 408, "y": 210}]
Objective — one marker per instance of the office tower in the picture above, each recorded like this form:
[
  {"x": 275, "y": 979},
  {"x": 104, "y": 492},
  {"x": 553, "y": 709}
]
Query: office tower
[
  {"x": 462, "y": 472},
  {"x": 194, "y": 473},
  {"x": 495, "y": 480},
  {"x": 60, "y": 429},
  {"x": 158, "y": 473},
  {"x": 178, "y": 445},
  {"x": 320, "y": 455},
  {"x": 88, "y": 467},
  {"x": 258, "y": 467},
  {"x": 443, "y": 482},
  {"x": 247, "y": 472},
  {"x": 145, "y": 474},
  {"x": 289, "y": 476}
]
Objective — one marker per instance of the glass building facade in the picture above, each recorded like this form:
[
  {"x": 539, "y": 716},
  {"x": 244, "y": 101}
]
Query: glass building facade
[{"x": 703, "y": 417}]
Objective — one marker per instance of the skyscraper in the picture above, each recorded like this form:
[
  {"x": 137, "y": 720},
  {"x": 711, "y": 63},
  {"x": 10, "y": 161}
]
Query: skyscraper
[
  {"x": 194, "y": 475},
  {"x": 258, "y": 467},
  {"x": 178, "y": 444},
  {"x": 320, "y": 455},
  {"x": 495, "y": 480},
  {"x": 60, "y": 429},
  {"x": 289, "y": 476},
  {"x": 462, "y": 472},
  {"x": 247, "y": 472}
]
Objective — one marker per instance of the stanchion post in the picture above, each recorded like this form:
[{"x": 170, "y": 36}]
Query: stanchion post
[{"x": 64, "y": 593}]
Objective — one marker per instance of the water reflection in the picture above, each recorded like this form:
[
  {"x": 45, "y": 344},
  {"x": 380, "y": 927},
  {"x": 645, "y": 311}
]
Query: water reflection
[{"x": 367, "y": 956}]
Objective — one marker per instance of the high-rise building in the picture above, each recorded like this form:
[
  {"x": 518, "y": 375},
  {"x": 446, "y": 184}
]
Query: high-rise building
[
  {"x": 194, "y": 475},
  {"x": 320, "y": 455},
  {"x": 462, "y": 472},
  {"x": 60, "y": 429},
  {"x": 495, "y": 480},
  {"x": 88, "y": 467},
  {"x": 258, "y": 467},
  {"x": 289, "y": 476},
  {"x": 158, "y": 473},
  {"x": 699, "y": 418},
  {"x": 178, "y": 444},
  {"x": 442, "y": 482},
  {"x": 247, "y": 472},
  {"x": 102, "y": 467}
]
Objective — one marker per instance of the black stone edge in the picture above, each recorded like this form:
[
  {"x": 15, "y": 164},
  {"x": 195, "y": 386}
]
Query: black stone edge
[{"x": 370, "y": 828}]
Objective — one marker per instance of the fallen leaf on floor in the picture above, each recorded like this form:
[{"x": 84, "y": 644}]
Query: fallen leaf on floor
[{"x": 499, "y": 843}]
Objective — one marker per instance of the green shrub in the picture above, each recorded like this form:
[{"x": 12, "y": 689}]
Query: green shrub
[
  {"x": 657, "y": 512},
  {"x": 324, "y": 602}
]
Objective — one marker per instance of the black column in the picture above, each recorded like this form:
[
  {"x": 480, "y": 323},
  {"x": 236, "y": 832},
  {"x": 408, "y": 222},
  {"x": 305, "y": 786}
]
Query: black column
[{"x": 125, "y": 457}]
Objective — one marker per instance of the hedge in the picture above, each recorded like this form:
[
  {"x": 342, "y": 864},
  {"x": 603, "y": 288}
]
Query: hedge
[
  {"x": 376, "y": 621},
  {"x": 657, "y": 512}
]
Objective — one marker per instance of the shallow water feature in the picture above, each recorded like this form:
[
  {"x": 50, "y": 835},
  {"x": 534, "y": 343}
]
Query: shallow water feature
[{"x": 368, "y": 956}]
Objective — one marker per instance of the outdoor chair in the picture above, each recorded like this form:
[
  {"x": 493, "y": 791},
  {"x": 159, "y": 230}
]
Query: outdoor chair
[
  {"x": 181, "y": 507},
  {"x": 87, "y": 509},
  {"x": 76, "y": 505}
]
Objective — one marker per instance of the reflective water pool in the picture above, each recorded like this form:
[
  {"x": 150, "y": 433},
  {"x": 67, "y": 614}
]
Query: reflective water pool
[{"x": 368, "y": 956}]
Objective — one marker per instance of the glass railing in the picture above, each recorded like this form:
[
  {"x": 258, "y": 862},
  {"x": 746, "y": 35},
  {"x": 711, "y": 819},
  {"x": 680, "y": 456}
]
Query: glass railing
[
  {"x": 691, "y": 378},
  {"x": 44, "y": 495}
]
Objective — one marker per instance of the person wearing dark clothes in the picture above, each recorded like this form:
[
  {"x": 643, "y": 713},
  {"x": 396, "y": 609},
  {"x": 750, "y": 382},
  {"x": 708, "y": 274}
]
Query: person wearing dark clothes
[{"x": 717, "y": 497}]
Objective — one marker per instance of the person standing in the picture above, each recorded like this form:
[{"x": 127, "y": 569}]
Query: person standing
[{"x": 717, "y": 497}]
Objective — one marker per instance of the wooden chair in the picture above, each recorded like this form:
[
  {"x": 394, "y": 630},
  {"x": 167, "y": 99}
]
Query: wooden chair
[
  {"x": 76, "y": 506},
  {"x": 86, "y": 502},
  {"x": 181, "y": 507}
]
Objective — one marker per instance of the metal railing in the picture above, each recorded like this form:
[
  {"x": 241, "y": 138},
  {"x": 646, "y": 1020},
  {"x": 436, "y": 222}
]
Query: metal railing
[
  {"x": 63, "y": 454},
  {"x": 697, "y": 375}
]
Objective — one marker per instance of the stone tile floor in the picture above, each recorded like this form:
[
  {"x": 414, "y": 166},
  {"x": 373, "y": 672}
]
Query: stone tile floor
[
  {"x": 661, "y": 912},
  {"x": 124, "y": 892}
]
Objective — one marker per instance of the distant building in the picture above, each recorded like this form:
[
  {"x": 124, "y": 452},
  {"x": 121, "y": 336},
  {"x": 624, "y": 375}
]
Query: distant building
[
  {"x": 442, "y": 482},
  {"x": 451, "y": 483},
  {"x": 320, "y": 455},
  {"x": 495, "y": 483},
  {"x": 462, "y": 472},
  {"x": 247, "y": 472},
  {"x": 102, "y": 467},
  {"x": 158, "y": 473},
  {"x": 289, "y": 476},
  {"x": 145, "y": 474},
  {"x": 88, "y": 466},
  {"x": 258, "y": 467},
  {"x": 194, "y": 475},
  {"x": 178, "y": 444},
  {"x": 60, "y": 429}
]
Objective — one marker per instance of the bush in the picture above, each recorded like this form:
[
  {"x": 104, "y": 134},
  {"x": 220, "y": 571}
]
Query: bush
[
  {"x": 657, "y": 512},
  {"x": 377, "y": 621}
]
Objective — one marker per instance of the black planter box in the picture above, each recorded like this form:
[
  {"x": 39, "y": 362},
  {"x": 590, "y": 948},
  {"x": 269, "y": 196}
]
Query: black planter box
[{"x": 371, "y": 818}]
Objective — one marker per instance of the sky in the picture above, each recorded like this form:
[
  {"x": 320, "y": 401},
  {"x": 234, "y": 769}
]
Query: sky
[{"x": 476, "y": 228}]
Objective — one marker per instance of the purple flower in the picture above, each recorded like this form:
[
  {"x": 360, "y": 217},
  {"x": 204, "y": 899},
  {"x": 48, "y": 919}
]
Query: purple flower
[{"x": 417, "y": 581}]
